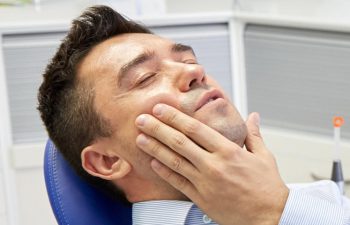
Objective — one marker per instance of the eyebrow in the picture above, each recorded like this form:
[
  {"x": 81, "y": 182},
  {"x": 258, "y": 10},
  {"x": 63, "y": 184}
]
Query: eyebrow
[
  {"x": 178, "y": 47},
  {"x": 141, "y": 58},
  {"x": 147, "y": 56}
]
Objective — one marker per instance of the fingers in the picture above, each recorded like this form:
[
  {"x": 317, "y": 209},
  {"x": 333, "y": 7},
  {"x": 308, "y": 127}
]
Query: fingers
[
  {"x": 168, "y": 157},
  {"x": 171, "y": 138},
  {"x": 205, "y": 136},
  {"x": 254, "y": 141},
  {"x": 177, "y": 181}
]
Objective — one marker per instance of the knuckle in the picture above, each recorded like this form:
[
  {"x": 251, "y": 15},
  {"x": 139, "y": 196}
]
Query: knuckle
[
  {"x": 178, "y": 140},
  {"x": 236, "y": 154},
  {"x": 181, "y": 183},
  {"x": 154, "y": 149},
  {"x": 176, "y": 163},
  {"x": 155, "y": 128},
  {"x": 256, "y": 133},
  {"x": 168, "y": 175},
  {"x": 191, "y": 127},
  {"x": 172, "y": 118},
  {"x": 230, "y": 152},
  {"x": 227, "y": 147}
]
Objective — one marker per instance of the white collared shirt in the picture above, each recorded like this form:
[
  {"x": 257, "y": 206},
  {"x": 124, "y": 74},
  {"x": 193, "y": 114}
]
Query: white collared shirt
[
  {"x": 168, "y": 212},
  {"x": 318, "y": 203}
]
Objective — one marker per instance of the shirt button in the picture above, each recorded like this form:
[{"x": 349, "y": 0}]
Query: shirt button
[{"x": 206, "y": 219}]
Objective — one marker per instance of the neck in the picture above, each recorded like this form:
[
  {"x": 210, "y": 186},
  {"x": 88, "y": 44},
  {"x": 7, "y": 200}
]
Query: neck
[{"x": 137, "y": 190}]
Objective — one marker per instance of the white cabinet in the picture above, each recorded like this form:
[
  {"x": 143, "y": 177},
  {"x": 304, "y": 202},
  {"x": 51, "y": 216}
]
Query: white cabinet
[
  {"x": 298, "y": 79},
  {"x": 25, "y": 57}
]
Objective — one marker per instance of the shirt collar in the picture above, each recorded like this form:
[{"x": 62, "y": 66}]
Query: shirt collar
[{"x": 160, "y": 212}]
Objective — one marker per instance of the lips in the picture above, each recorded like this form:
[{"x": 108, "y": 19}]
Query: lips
[{"x": 208, "y": 97}]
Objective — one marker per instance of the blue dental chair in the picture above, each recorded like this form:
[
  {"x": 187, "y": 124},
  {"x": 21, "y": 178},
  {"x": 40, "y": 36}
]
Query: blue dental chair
[{"x": 73, "y": 200}]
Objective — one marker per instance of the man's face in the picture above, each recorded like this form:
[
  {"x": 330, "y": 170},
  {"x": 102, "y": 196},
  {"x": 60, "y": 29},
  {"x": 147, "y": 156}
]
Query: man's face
[{"x": 131, "y": 73}]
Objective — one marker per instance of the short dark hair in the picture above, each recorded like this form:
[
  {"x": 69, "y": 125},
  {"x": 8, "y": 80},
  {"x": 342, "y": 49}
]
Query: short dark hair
[{"x": 66, "y": 104}]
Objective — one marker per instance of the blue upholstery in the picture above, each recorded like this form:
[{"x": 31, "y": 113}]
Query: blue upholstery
[{"x": 74, "y": 201}]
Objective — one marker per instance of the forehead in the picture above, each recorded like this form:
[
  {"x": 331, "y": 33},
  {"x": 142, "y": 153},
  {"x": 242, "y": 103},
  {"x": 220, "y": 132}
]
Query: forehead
[
  {"x": 130, "y": 45},
  {"x": 115, "y": 51}
]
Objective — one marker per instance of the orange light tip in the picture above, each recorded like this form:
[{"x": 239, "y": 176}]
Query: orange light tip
[{"x": 338, "y": 121}]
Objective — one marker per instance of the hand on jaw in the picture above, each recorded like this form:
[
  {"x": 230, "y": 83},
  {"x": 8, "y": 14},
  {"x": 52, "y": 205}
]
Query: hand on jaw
[{"x": 230, "y": 184}]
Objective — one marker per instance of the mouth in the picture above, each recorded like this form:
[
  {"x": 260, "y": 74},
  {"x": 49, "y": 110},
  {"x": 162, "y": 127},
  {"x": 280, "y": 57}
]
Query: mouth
[{"x": 208, "y": 98}]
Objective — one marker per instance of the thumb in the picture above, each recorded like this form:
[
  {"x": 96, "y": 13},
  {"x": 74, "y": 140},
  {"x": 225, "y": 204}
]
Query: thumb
[{"x": 254, "y": 141}]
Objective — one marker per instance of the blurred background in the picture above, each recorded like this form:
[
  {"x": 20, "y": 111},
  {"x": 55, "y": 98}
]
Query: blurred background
[{"x": 287, "y": 59}]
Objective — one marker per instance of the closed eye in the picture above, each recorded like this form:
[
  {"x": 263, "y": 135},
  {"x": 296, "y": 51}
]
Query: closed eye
[
  {"x": 190, "y": 61},
  {"x": 145, "y": 80}
]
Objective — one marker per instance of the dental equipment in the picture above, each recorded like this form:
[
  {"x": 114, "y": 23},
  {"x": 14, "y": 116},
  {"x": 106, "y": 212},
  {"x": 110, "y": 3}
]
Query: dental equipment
[{"x": 337, "y": 172}]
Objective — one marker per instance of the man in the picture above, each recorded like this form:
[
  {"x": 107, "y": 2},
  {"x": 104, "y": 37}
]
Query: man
[{"x": 115, "y": 93}]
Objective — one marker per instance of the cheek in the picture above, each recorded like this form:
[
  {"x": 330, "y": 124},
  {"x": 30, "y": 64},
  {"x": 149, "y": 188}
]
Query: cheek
[
  {"x": 145, "y": 103},
  {"x": 133, "y": 106},
  {"x": 127, "y": 130}
]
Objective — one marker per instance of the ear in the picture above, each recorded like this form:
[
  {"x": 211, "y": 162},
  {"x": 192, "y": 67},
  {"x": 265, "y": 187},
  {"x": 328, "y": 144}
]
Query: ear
[{"x": 99, "y": 162}]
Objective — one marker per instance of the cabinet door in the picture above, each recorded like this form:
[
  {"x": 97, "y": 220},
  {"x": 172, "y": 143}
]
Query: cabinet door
[
  {"x": 298, "y": 79},
  {"x": 26, "y": 56}
]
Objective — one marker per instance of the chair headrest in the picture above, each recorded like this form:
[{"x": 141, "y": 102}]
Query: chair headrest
[{"x": 76, "y": 202}]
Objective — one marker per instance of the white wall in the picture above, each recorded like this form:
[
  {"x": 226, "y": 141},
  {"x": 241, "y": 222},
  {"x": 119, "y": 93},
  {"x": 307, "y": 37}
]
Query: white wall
[
  {"x": 33, "y": 203},
  {"x": 193, "y": 6},
  {"x": 299, "y": 155}
]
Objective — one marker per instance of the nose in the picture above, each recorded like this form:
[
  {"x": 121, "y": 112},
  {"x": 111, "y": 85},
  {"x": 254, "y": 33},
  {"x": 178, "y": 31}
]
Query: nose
[{"x": 191, "y": 76}]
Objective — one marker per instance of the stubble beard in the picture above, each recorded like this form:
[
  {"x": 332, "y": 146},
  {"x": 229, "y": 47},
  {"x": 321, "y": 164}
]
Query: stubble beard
[{"x": 225, "y": 119}]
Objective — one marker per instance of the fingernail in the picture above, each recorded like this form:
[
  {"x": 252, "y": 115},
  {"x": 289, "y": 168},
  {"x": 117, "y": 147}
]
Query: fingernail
[
  {"x": 155, "y": 164},
  {"x": 140, "y": 120},
  {"x": 158, "y": 109},
  {"x": 141, "y": 139},
  {"x": 256, "y": 118}
]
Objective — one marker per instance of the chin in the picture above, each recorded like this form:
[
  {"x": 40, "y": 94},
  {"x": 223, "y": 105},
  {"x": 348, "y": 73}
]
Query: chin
[
  {"x": 235, "y": 132},
  {"x": 227, "y": 122},
  {"x": 223, "y": 117}
]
